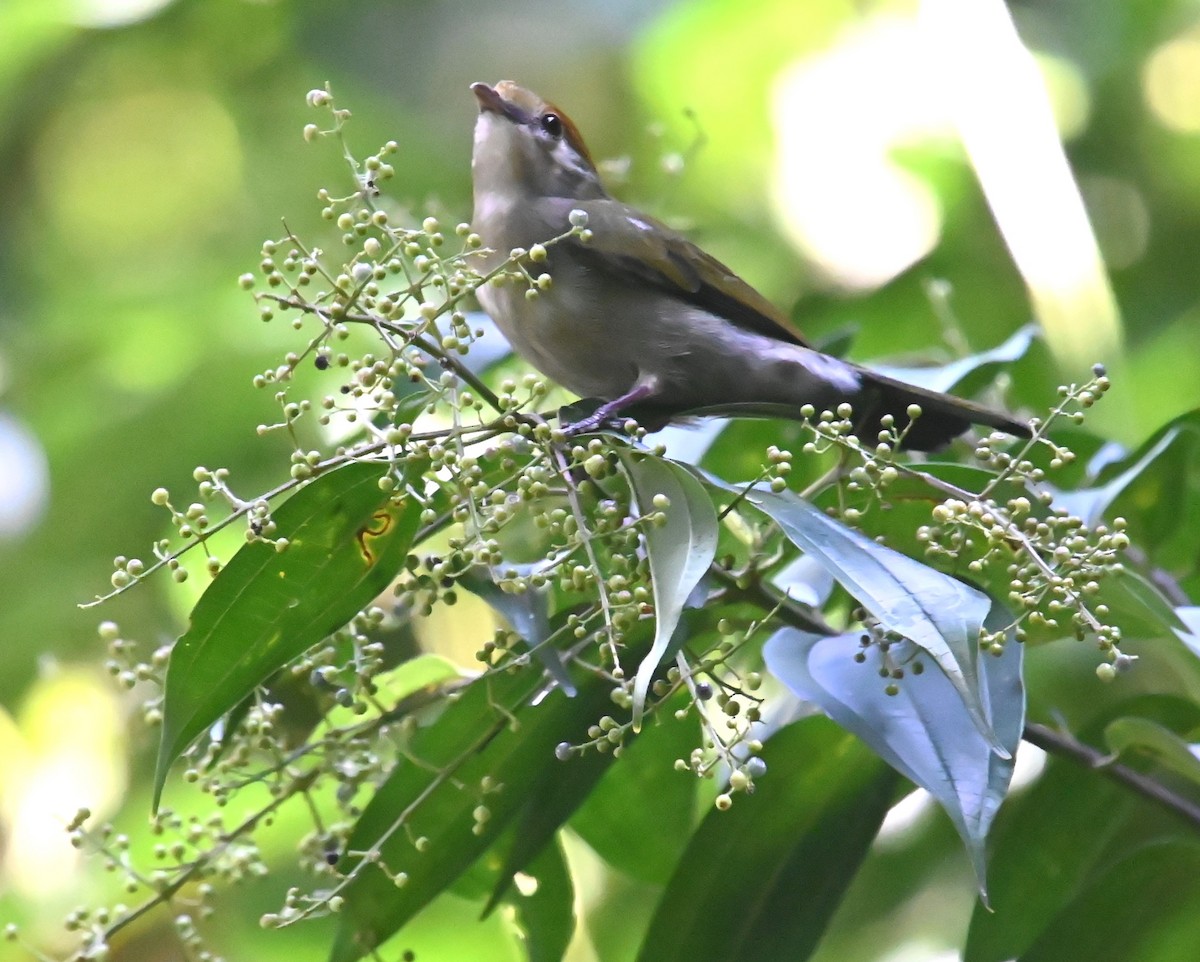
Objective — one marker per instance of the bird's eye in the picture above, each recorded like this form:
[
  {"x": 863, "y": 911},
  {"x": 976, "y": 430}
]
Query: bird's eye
[{"x": 552, "y": 124}]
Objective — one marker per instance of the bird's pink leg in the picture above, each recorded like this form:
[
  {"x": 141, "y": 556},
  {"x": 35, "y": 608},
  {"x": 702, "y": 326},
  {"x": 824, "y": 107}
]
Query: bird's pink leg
[{"x": 606, "y": 411}]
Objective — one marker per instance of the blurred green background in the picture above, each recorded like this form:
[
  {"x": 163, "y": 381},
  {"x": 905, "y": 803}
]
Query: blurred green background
[{"x": 148, "y": 147}]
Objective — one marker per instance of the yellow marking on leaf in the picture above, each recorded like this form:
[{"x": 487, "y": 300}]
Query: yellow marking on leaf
[{"x": 380, "y": 524}]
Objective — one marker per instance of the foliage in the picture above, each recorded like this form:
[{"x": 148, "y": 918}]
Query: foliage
[{"x": 658, "y": 613}]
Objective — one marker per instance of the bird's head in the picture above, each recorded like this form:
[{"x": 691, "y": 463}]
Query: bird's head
[{"x": 526, "y": 148}]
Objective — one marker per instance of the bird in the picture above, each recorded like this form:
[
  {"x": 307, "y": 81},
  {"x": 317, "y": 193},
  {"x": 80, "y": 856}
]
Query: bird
[{"x": 641, "y": 319}]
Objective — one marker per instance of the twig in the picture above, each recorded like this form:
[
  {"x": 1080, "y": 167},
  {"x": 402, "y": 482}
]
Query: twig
[
  {"x": 1061, "y": 743},
  {"x": 1051, "y": 740},
  {"x": 784, "y": 608}
]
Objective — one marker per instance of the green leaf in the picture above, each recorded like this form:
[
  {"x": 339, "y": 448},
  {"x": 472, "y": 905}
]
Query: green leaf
[
  {"x": 680, "y": 552},
  {"x": 911, "y": 498},
  {"x": 527, "y": 614},
  {"x": 922, "y": 731},
  {"x": 1153, "y": 489},
  {"x": 1090, "y": 504},
  {"x": 1137, "y": 605},
  {"x": 947, "y": 377},
  {"x": 413, "y": 685},
  {"x": 1145, "y": 908},
  {"x": 937, "y": 613},
  {"x": 491, "y": 731},
  {"x": 544, "y": 812},
  {"x": 546, "y": 916},
  {"x": 616, "y": 821},
  {"x": 1060, "y": 833},
  {"x": 762, "y": 880},
  {"x": 1130, "y": 735},
  {"x": 346, "y": 540}
]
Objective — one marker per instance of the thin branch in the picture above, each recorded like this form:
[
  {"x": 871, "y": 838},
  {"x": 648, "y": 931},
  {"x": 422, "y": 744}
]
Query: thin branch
[
  {"x": 1048, "y": 739},
  {"x": 784, "y": 608},
  {"x": 169, "y": 890},
  {"x": 1058, "y": 742}
]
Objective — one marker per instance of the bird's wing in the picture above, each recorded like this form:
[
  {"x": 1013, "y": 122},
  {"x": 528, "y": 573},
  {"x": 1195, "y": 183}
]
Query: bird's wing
[{"x": 640, "y": 249}]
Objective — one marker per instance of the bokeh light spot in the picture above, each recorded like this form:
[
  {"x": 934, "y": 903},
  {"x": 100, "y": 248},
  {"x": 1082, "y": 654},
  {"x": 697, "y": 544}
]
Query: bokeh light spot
[
  {"x": 115, "y": 13},
  {"x": 1000, "y": 106},
  {"x": 64, "y": 751},
  {"x": 1120, "y": 218},
  {"x": 124, "y": 174},
  {"x": 24, "y": 478},
  {"x": 1170, "y": 80},
  {"x": 840, "y": 195}
]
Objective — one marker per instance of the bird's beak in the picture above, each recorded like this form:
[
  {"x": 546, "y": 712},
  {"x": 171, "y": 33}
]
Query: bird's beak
[
  {"x": 488, "y": 97},
  {"x": 491, "y": 101}
]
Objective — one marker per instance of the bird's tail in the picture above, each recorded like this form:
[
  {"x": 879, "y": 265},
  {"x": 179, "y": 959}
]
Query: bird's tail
[{"x": 943, "y": 416}]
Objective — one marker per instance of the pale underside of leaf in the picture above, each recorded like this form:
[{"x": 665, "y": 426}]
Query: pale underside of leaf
[{"x": 680, "y": 552}]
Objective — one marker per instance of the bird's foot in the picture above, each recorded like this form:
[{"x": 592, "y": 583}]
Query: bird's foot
[
  {"x": 606, "y": 415},
  {"x": 596, "y": 421}
]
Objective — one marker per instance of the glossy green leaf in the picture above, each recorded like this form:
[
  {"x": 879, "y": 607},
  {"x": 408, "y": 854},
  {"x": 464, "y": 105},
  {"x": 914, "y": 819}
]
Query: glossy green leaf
[
  {"x": 1057, "y": 835},
  {"x": 939, "y": 614},
  {"x": 491, "y": 731},
  {"x": 544, "y": 812},
  {"x": 560, "y": 799},
  {"x": 923, "y": 730},
  {"x": 762, "y": 880},
  {"x": 346, "y": 540},
  {"x": 680, "y": 552}
]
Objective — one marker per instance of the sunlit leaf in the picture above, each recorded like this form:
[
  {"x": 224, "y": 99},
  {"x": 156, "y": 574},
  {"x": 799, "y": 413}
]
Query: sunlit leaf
[
  {"x": 762, "y": 880},
  {"x": 680, "y": 552},
  {"x": 346, "y": 540},
  {"x": 937, "y": 613},
  {"x": 923, "y": 730},
  {"x": 416, "y": 683}
]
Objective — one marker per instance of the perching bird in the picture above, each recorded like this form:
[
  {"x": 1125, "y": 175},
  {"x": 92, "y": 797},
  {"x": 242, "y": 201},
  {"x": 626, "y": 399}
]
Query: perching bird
[{"x": 641, "y": 318}]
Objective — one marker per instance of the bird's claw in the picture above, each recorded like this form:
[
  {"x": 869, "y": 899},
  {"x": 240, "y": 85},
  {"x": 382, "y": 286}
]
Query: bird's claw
[
  {"x": 589, "y": 425},
  {"x": 608, "y": 414}
]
